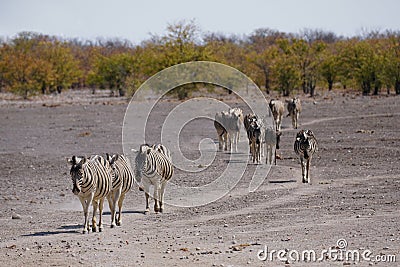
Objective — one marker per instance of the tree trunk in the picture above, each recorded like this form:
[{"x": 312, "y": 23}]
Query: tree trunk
[
  {"x": 366, "y": 87},
  {"x": 376, "y": 90},
  {"x": 267, "y": 85},
  {"x": 330, "y": 84}
]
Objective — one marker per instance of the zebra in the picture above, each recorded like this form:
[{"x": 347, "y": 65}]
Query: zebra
[
  {"x": 256, "y": 134},
  {"x": 277, "y": 108},
  {"x": 221, "y": 131},
  {"x": 294, "y": 109},
  {"x": 228, "y": 124},
  {"x": 248, "y": 119},
  {"x": 153, "y": 168},
  {"x": 272, "y": 140},
  {"x": 122, "y": 183},
  {"x": 92, "y": 181},
  {"x": 305, "y": 146}
]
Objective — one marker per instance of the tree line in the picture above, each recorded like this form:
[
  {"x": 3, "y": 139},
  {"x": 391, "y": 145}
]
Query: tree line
[{"x": 34, "y": 63}]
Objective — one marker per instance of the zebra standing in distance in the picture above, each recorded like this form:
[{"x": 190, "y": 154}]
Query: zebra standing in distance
[
  {"x": 122, "y": 183},
  {"x": 153, "y": 168},
  {"x": 305, "y": 146},
  {"x": 92, "y": 181},
  {"x": 277, "y": 108},
  {"x": 272, "y": 140},
  {"x": 228, "y": 124},
  {"x": 247, "y": 121},
  {"x": 256, "y": 136},
  {"x": 221, "y": 131},
  {"x": 294, "y": 109}
]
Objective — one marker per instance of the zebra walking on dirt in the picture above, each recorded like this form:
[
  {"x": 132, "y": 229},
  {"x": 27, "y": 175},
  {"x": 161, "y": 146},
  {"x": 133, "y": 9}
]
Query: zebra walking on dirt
[
  {"x": 153, "y": 168},
  {"x": 294, "y": 109},
  {"x": 305, "y": 146},
  {"x": 92, "y": 181},
  {"x": 122, "y": 183}
]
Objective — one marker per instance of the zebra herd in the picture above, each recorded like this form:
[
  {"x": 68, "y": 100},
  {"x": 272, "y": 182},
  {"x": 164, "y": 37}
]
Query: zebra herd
[
  {"x": 265, "y": 137},
  {"x": 96, "y": 178},
  {"x": 111, "y": 177}
]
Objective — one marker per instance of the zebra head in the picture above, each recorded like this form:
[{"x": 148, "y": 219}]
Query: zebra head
[
  {"x": 304, "y": 135},
  {"x": 112, "y": 159},
  {"x": 141, "y": 160},
  {"x": 77, "y": 173}
]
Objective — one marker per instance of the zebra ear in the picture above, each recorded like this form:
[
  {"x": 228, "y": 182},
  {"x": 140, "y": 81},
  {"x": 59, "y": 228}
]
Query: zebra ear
[
  {"x": 113, "y": 159},
  {"x": 83, "y": 161},
  {"x": 71, "y": 161}
]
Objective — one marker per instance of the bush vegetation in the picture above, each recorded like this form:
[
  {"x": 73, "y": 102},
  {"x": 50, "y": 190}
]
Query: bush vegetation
[{"x": 33, "y": 63}]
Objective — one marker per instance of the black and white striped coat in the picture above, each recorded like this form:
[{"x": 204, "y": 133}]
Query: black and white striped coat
[
  {"x": 122, "y": 183},
  {"x": 256, "y": 135},
  {"x": 153, "y": 168},
  {"x": 92, "y": 181},
  {"x": 305, "y": 146}
]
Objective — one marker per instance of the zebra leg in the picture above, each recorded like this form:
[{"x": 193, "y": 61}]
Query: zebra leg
[
  {"x": 120, "y": 201},
  {"x": 112, "y": 202},
  {"x": 101, "y": 205},
  {"x": 146, "y": 193},
  {"x": 220, "y": 143},
  {"x": 303, "y": 170},
  {"x": 308, "y": 170},
  {"x": 85, "y": 206},
  {"x": 94, "y": 223},
  {"x": 157, "y": 189},
  {"x": 236, "y": 141},
  {"x": 162, "y": 190}
]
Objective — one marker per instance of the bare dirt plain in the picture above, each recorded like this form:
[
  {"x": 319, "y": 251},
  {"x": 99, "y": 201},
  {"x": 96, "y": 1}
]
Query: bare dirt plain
[{"x": 354, "y": 196}]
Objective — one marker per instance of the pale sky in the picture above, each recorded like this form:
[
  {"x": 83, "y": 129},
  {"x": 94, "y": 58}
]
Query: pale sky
[{"x": 135, "y": 20}]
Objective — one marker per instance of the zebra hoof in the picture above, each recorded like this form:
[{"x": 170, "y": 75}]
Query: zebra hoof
[
  {"x": 113, "y": 225},
  {"x": 84, "y": 231},
  {"x": 101, "y": 229},
  {"x": 118, "y": 223},
  {"x": 94, "y": 229}
]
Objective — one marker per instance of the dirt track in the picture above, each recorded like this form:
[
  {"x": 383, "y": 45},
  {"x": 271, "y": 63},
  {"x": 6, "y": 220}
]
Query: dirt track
[{"x": 354, "y": 196}]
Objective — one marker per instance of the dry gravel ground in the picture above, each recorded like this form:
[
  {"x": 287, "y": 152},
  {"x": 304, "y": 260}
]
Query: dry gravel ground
[{"x": 354, "y": 195}]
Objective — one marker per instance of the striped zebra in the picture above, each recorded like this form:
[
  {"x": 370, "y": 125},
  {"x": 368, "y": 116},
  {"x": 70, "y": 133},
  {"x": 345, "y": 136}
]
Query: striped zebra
[
  {"x": 294, "y": 109},
  {"x": 247, "y": 121},
  {"x": 222, "y": 133},
  {"x": 153, "y": 168},
  {"x": 256, "y": 135},
  {"x": 122, "y": 183},
  {"x": 305, "y": 146},
  {"x": 92, "y": 181}
]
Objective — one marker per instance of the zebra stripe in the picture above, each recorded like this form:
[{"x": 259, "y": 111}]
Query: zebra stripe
[
  {"x": 92, "y": 180},
  {"x": 122, "y": 183},
  {"x": 305, "y": 146},
  {"x": 153, "y": 168}
]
